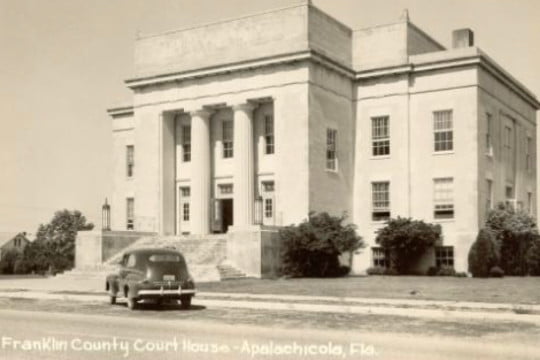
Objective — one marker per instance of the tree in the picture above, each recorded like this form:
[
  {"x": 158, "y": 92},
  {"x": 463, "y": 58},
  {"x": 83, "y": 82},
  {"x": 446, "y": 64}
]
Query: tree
[
  {"x": 533, "y": 257},
  {"x": 406, "y": 240},
  {"x": 9, "y": 258},
  {"x": 482, "y": 255},
  {"x": 312, "y": 248},
  {"x": 513, "y": 233},
  {"x": 54, "y": 247}
]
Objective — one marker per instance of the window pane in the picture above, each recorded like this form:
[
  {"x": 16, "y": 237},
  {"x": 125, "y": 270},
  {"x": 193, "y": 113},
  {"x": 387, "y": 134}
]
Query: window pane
[
  {"x": 380, "y": 135},
  {"x": 443, "y": 130}
]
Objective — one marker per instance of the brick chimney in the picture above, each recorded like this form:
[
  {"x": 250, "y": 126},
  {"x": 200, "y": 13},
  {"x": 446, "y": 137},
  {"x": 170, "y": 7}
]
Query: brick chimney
[{"x": 462, "y": 38}]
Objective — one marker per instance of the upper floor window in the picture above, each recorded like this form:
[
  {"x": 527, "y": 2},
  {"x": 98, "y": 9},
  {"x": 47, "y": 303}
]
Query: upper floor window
[
  {"x": 228, "y": 138},
  {"x": 507, "y": 144},
  {"x": 443, "y": 130},
  {"x": 489, "y": 193},
  {"x": 130, "y": 213},
  {"x": 269, "y": 133},
  {"x": 130, "y": 160},
  {"x": 443, "y": 198},
  {"x": 380, "y": 196},
  {"x": 380, "y": 135},
  {"x": 529, "y": 203},
  {"x": 331, "y": 147},
  {"x": 489, "y": 137},
  {"x": 186, "y": 143},
  {"x": 528, "y": 154}
]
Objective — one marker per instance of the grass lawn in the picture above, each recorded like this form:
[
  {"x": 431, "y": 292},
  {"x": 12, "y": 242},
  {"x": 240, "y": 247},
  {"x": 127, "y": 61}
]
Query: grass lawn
[{"x": 515, "y": 290}]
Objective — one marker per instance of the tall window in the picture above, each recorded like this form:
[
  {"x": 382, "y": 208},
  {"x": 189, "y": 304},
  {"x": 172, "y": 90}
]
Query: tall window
[
  {"x": 489, "y": 137},
  {"x": 529, "y": 203},
  {"x": 443, "y": 130},
  {"x": 444, "y": 256},
  {"x": 380, "y": 257},
  {"x": 380, "y": 195},
  {"x": 228, "y": 139},
  {"x": 380, "y": 135},
  {"x": 507, "y": 144},
  {"x": 268, "y": 208},
  {"x": 443, "y": 198},
  {"x": 130, "y": 160},
  {"x": 269, "y": 133},
  {"x": 185, "y": 193},
  {"x": 528, "y": 154},
  {"x": 331, "y": 147},
  {"x": 489, "y": 193},
  {"x": 186, "y": 143},
  {"x": 130, "y": 213}
]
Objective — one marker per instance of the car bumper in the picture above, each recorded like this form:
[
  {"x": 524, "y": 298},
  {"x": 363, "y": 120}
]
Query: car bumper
[{"x": 165, "y": 292}]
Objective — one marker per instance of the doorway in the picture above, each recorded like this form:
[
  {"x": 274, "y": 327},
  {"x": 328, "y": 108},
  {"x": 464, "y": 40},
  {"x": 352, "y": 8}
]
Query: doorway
[{"x": 223, "y": 215}]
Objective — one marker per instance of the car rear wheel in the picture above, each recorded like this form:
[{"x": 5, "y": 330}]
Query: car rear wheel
[
  {"x": 132, "y": 303},
  {"x": 112, "y": 299},
  {"x": 185, "y": 302}
]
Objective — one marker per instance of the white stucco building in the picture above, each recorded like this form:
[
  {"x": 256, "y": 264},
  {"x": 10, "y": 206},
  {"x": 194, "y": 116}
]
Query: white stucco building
[{"x": 295, "y": 109}]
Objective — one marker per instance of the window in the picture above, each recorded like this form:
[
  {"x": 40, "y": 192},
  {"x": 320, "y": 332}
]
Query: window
[
  {"x": 130, "y": 160},
  {"x": 489, "y": 141},
  {"x": 489, "y": 193},
  {"x": 164, "y": 258},
  {"x": 269, "y": 133},
  {"x": 443, "y": 130},
  {"x": 380, "y": 257},
  {"x": 185, "y": 191},
  {"x": 331, "y": 153},
  {"x": 509, "y": 192},
  {"x": 131, "y": 261},
  {"x": 529, "y": 203},
  {"x": 228, "y": 139},
  {"x": 130, "y": 213},
  {"x": 268, "y": 186},
  {"x": 186, "y": 143},
  {"x": 225, "y": 189},
  {"x": 528, "y": 154},
  {"x": 380, "y": 200},
  {"x": 380, "y": 135},
  {"x": 444, "y": 256},
  {"x": 443, "y": 198},
  {"x": 268, "y": 208},
  {"x": 507, "y": 144},
  {"x": 185, "y": 211}
]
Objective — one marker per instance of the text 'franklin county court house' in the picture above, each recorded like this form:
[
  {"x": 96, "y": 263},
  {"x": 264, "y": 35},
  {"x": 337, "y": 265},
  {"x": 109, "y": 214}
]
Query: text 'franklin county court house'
[{"x": 244, "y": 125}]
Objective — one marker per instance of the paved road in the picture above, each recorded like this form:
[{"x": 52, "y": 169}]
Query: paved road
[{"x": 74, "y": 336}]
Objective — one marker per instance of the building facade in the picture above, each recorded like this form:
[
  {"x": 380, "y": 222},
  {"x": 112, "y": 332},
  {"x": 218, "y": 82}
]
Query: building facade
[{"x": 258, "y": 121}]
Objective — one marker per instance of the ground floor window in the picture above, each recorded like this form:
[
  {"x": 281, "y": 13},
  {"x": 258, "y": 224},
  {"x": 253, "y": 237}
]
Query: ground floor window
[
  {"x": 268, "y": 208},
  {"x": 130, "y": 213},
  {"x": 444, "y": 256},
  {"x": 185, "y": 211},
  {"x": 380, "y": 257}
]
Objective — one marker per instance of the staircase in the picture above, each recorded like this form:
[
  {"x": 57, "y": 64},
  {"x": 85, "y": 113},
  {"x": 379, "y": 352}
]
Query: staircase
[{"x": 228, "y": 272}]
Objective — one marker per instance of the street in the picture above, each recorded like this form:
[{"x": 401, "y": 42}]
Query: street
[{"x": 54, "y": 335}]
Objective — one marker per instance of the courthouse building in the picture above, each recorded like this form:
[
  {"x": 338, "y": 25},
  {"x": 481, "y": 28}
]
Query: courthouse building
[{"x": 252, "y": 123}]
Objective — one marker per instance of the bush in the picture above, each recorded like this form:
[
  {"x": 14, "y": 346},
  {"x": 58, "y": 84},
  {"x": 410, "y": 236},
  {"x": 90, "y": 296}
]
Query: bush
[
  {"x": 407, "y": 240},
  {"x": 482, "y": 255},
  {"x": 461, "y": 274},
  {"x": 496, "y": 272},
  {"x": 381, "y": 271},
  {"x": 8, "y": 261},
  {"x": 446, "y": 271},
  {"x": 533, "y": 258},
  {"x": 432, "y": 271},
  {"x": 312, "y": 248}
]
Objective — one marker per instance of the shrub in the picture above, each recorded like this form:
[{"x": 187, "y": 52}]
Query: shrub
[
  {"x": 377, "y": 270},
  {"x": 496, "y": 272},
  {"x": 312, "y": 248},
  {"x": 8, "y": 261},
  {"x": 482, "y": 255},
  {"x": 513, "y": 233},
  {"x": 446, "y": 271},
  {"x": 407, "y": 240},
  {"x": 533, "y": 258},
  {"x": 461, "y": 274},
  {"x": 432, "y": 271}
]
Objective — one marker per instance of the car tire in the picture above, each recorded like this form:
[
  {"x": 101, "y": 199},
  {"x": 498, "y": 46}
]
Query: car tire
[
  {"x": 112, "y": 296},
  {"x": 132, "y": 303},
  {"x": 185, "y": 302}
]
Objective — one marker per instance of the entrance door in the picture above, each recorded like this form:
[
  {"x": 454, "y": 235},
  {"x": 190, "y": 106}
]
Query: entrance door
[{"x": 227, "y": 211}]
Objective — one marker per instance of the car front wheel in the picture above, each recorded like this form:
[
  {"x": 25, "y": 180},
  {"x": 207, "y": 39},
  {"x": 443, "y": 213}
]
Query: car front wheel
[
  {"x": 185, "y": 302},
  {"x": 132, "y": 303}
]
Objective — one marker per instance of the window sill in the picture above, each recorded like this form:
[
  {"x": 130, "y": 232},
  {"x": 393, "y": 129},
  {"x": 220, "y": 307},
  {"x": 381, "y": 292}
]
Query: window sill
[
  {"x": 380, "y": 157},
  {"x": 331, "y": 171},
  {"x": 444, "y": 220},
  {"x": 448, "y": 152}
]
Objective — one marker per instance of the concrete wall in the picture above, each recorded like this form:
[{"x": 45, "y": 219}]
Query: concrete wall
[
  {"x": 114, "y": 242},
  {"x": 88, "y": 250},
  {"x": 418, "y": 42}
]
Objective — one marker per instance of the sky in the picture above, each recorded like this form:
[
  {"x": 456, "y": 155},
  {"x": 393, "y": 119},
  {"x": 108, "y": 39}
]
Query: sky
[{"x": 64, "y": 62}]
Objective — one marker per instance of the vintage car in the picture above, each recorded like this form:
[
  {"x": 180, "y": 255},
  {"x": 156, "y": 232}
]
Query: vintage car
[{"x": 151, "y": 274}]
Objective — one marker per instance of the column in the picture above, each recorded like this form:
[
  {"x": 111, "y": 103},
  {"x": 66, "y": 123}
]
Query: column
[
  {"x": 244, "y": 177},
  {"x": 200, "y": 172}
]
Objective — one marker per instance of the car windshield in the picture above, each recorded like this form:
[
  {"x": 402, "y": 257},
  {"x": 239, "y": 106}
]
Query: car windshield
[{"x": 164, "y": 258}]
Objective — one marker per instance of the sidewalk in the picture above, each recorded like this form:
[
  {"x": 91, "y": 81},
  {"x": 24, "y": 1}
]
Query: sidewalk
[{"x": 49, "y": 289}]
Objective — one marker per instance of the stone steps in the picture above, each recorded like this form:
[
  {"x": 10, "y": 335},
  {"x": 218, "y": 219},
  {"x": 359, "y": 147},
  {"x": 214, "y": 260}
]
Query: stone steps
[{"x": 229, "y": 272}]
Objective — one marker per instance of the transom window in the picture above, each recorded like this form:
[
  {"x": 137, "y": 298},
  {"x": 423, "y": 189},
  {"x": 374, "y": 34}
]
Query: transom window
[
  {"x": 186, "y": 143},
  {"x": 443, "y": 198},
  {"x": 380, "y": 135},
  {"x": 380, "y": 257},
  {"x": 331, "y": 149},
  {"x": 130, "y": 160},
  {"x": 269, "y": 133},
  {"x": 380, "y": 200},
  {"x": 130, "y": 213},
  {"x": 443, "y": 130},
  {"x": 268, "y": 186},
  {"x": 228, "y": 138},
  {"x": 444, "y": 256},
  {"x": 185, "y": 191},
  {"x": 226, "y": 188}
]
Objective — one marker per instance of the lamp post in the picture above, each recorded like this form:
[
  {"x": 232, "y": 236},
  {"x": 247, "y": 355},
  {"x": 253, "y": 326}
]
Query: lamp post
[
  {"x": 106, "y": 216},
  {"x": 258, "y": 210}
]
